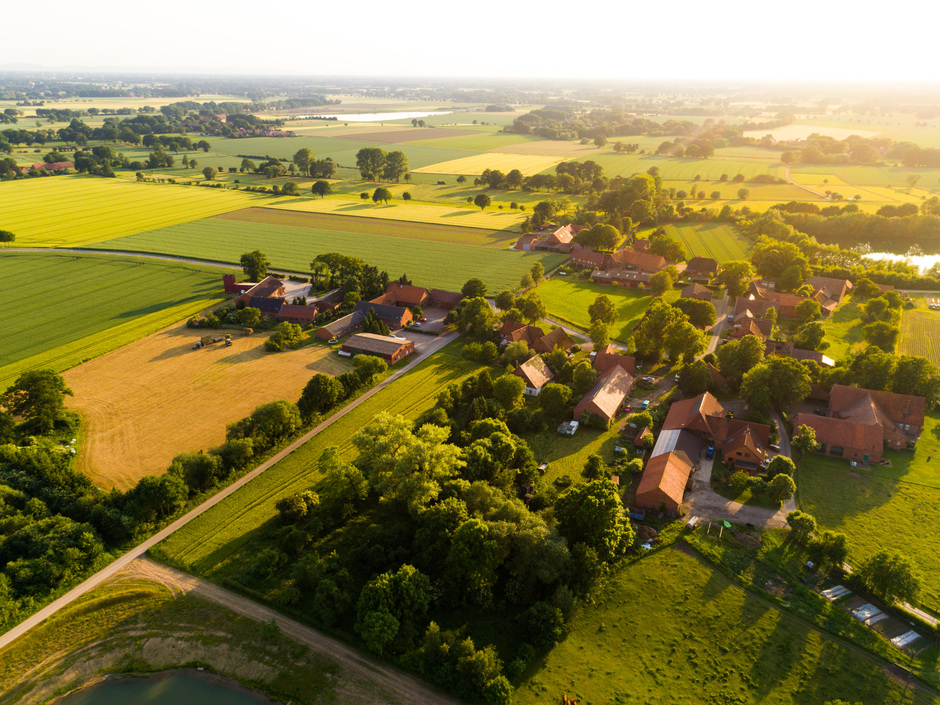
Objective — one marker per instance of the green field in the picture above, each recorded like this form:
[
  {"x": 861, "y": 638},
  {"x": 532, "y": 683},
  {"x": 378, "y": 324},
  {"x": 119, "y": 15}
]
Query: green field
[
  {"x": 720, "y": 241},
  {"x": 207, "y": 543},
  {"x": 844, "y": 331},
  {"x": 77, "y": 210},
  {"x": 920, "y": 333},
  {"x": 668, "y": 629},
  {"x": 567, "y": 300},
  {"x": 893, "y": 508},
  {"x": 429, "y": 264},
  {"x": 93, "y": 304}
]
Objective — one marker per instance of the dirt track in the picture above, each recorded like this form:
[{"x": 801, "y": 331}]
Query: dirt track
[
  {"x": 147, "y": 402},
  {"x": 406, "y": 687}
]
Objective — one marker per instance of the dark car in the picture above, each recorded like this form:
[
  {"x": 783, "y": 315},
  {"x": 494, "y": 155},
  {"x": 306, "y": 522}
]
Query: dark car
[{"x": 819, "y": 412}]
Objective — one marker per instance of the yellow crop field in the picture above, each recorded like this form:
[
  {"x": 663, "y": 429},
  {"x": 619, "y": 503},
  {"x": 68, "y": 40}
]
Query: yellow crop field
[
  {"x": 526, "y": 163},
  {"x": 818, "y": 179},
  {"x": 76, "y": 210},
  {"x": 490, "y": 219},
  {"x": 554, "y": 148}
]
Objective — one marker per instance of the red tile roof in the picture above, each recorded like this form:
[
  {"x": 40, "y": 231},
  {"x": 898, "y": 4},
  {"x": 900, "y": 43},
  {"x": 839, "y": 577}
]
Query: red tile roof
[
  {"x": 867, "y": 438},
  {"x": 556, "y": 338},
  {"x": 899, "y": 408},
  {"x": 664, "y": 478},
  {"x": 534, "y": 372},
  {"x": 607, "y": 395}
]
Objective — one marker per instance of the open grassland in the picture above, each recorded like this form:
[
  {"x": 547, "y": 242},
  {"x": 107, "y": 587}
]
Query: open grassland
[
  {"x": 137, "y": 625},
  {"x": 157, "y": 397},
  {"x": 720, "y": 241},
  {"x": 844, "y": 331},
  {"x": 206, "y": 544},
  {"x": 374, "y": 226},
  {"x": 430, "y": 264},
  {"x": 890, "y": 176},
  {"x": 728, "y": 192},
  {"x": 920, "y": 333},
  {"x": 668, "y": 629},
  {"x": 883, "y": 508},
  {"x": 77, "y": 210},
  {"x": 475, "y": 165},
  {"x": 683, "y": 168},
  {"x": 801, "y": 132},
  {"x": 92, "y": 304},
  {"x": 432, "y": 188},
  {"x": 466, "y": 217},
  {"x": 481, "y": 141},
  {"x": 567, "y": 300}
]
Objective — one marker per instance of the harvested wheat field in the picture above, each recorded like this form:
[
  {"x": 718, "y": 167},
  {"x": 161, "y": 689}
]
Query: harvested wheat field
[{"x": 147, "y": 402}]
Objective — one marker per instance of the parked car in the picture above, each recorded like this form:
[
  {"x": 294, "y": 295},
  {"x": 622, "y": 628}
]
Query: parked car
[
  {"x": 710, "y": 452},
  {"x": 819, "y": 412},
  {"x": 627, "y": 408},
  {"x": 775, "y": 446},
  {"x": 422, "y": 320},
  {"x": 333, "y": 341},
  {"x": 416, "y": 324},
  {"x": 645, "y": 404},
  {"x": 730, "y": 318},
  {"x": 649, "y": 380},
  {"x": 676, "y": 378}
]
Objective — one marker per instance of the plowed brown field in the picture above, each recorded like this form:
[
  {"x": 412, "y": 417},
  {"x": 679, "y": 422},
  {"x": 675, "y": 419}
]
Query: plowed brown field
[{"x": 147, "y": 402}]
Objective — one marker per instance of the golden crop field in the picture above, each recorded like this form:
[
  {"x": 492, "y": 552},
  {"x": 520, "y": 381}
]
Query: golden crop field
[
  {"x": 527, "y": 164},
  {"x": 490, "y": 219},
  {"x": 147, "y": 402},
  {"x": 920, "y": 334},
  {"x": 76, "y": 210}
]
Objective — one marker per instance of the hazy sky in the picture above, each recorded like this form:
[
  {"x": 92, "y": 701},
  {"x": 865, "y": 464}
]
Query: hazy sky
[{"x": 822, "y": 40}]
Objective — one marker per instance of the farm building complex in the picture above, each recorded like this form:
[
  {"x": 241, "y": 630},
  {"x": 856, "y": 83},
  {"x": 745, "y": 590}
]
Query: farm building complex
[{"x": 386, "y": 347}]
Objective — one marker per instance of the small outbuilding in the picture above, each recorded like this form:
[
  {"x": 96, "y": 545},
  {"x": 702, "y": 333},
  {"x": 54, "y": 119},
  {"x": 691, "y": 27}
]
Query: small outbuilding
[{"x": 388, "y": 348}]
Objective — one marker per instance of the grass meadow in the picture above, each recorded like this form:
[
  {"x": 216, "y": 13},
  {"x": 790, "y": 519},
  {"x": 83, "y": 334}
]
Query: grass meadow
[
  {"x": 429, "y": 264},
  {"x": 207, "y": 543},
  {"x": 475, "y": 165},
  {"x": 720, "y": 241},
  {"x": 844, "y": 331},
  {"x": 893, "y": 508},
  {"x": 99, "y": 303},
  {"x": 77, "y": 210},
  {"x": 567, "y": 301},
  {"x": 670, "y": 629},
  {"x": 920, "y": 333}
]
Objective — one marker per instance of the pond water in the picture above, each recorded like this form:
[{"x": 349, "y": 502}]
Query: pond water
[
  {"x": 376, "y": 117},
  {"x": 174, "y": 688},
  {"x": 922, "y": 262}
]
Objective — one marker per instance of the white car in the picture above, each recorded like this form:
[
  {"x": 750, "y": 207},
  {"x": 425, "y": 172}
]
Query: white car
[{"x": 649, "y": 380}]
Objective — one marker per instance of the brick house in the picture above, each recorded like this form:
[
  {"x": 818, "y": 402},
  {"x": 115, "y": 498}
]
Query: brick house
[
  {"x": 535, "y": 373},
  {"x": 607, "y": 396},
  {"x": 389, "y": 349}
]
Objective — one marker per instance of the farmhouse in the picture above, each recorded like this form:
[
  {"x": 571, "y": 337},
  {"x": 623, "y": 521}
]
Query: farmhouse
[
  {"x": 294, "y": 313},
  {"x": 513, "y": 332},
  {"x": 608, "y": 394},
  {"x": 863, "y": 422},
  {"x": 828, "y": 291},
  {"x": 404, "y": 295},
  {"x": 587, "y": 258},
  {"x": 535, "y": 373},
  {"x": 393, "y": 316},
  {"x": 696, "y": 291},
  {"x": 608, "y": 357},
  {"x": 342, "y": 326},
  {"x": 268, "y": 287},
  {"x": 270, "y": 307},
  {"x": 558, "y": 241},
  {"x": 386, "y": 347},
  {"x": 620, "y": 277},
  {"x": 785, "y": 349},
  {"x": 705, "y": 416},
  {"x": 554, "y": 339},
  {"x": 747, "y": 324},
  {"x": 702, "y": 268}
]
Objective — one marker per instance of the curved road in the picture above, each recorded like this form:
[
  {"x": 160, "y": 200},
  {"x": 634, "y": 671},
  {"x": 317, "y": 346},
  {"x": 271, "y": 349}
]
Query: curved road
[{"x": 142, "y": 548}]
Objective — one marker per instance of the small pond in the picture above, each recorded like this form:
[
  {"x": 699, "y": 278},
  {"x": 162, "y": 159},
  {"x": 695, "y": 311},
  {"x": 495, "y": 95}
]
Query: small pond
[{"x": 181, "y": 687}]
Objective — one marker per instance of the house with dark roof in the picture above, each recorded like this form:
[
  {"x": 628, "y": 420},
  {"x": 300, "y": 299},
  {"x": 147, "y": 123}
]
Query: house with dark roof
[
  {"x": 702, "y": 268},
  {"x": 342, "y": 326},
  {"x": 268, "y": 287},
  {"x": 535, "y": 373},
  {"x": 513, "y": 332},
  {"x": 445, "y": 299},
  {"x": 393, "y": 316},
  {"x": 696, "y": 291},
  {"x": 831, "y": 289},
  {"x": 386, "y": 347},
  {"x": 608, "y": 357},
  {"x": 270, "y": 307},
  {"x": 553, "y": 339},
  {"x": 785, "y": 349},
  {"x": 607, "y": 396},
  {"x": 295, "y": 313}
]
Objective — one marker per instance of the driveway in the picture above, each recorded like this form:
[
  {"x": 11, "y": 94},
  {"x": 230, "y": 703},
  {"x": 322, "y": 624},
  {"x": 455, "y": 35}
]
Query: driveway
[{"x": 702, "y": 501}]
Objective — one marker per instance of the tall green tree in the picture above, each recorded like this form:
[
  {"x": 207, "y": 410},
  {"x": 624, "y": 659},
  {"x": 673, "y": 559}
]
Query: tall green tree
[
  {"x": 303, "y": 158},
  {"x": 776, "y": 382},
  {"x": 321, "y": 188},
  {"x": 603, "y": 310},
  {"x": 396, "y": 166},
  {"x": 381, "y": 194},
  {"x": 371, "y": 162},
  {"x": 593, "y": 514},
  {"x": 481, "y": 201},
  {"x": 891, "y": 577},
  {"x": 735, "y": 275},
  {"x": 254, "y": 265},
  {"x": 37, "y": 396}
]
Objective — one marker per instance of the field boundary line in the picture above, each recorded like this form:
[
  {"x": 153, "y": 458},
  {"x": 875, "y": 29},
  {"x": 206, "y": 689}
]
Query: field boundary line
[{"x": 139, "y": 550}]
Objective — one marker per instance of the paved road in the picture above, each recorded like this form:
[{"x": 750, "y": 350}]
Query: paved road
[
  {"x": 785, "y": 450},
  {"x": 138, "y": 551}
]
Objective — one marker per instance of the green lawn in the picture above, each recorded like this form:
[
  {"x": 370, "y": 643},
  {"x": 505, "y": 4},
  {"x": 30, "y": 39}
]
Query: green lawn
[
  {"x": 567, "y": 300},
  {"x": 207, "y": 543},
  {"x": 76, "y": 210},
  {"x": 882, "y": 509},
  {"x": 668, "y": 629},
  {"x": 844, "y": 331},
  {"x": 720, "y": 241},
  {"x": 430, "y": 264},
  {"x": 63, "y": 309}
]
